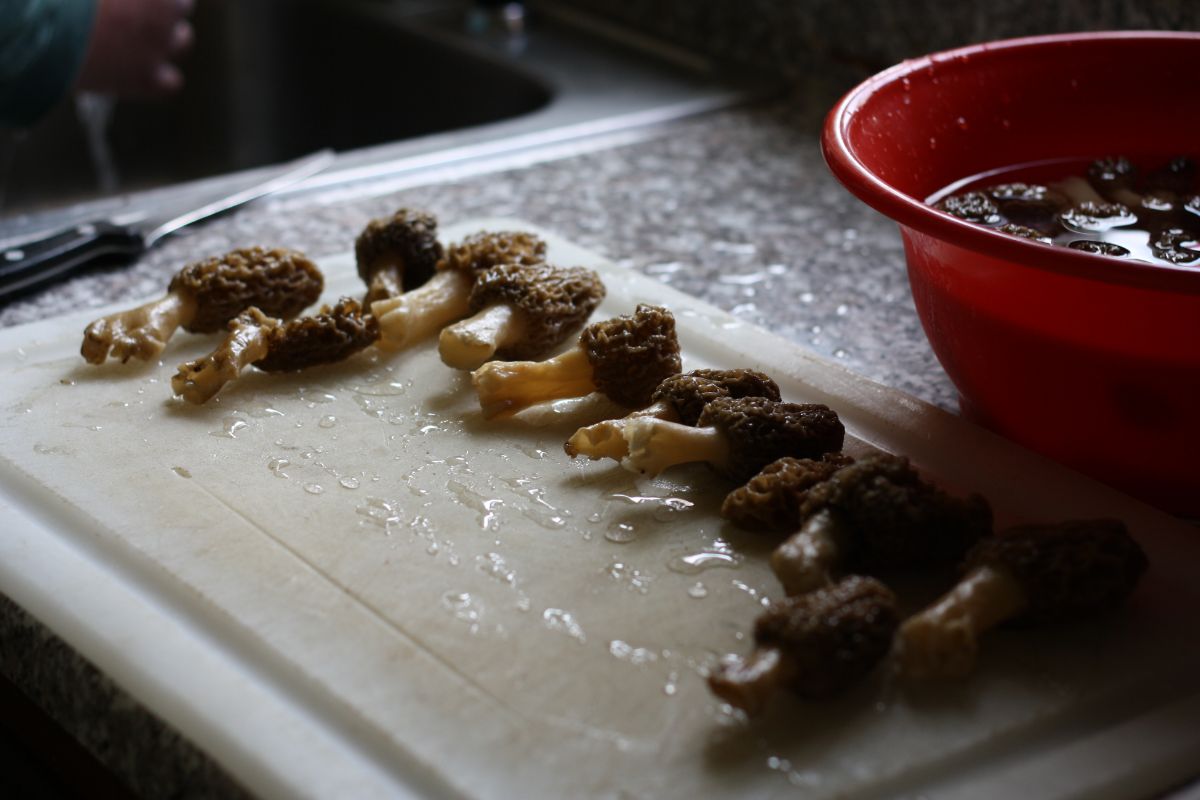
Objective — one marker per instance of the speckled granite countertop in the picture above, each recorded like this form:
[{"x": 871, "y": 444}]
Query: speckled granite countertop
[{"x": 735, "y": 207}]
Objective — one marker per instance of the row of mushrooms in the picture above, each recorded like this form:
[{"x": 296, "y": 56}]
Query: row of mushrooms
[{"x": 498, "y": 308}]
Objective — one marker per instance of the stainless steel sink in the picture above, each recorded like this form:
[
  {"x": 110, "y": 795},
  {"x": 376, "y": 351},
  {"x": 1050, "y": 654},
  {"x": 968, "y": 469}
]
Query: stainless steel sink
[{"x": 392, "y": 85}]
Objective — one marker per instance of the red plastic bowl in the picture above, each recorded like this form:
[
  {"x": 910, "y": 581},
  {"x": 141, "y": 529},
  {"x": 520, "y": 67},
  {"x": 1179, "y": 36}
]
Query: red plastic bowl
[{"x": 1091, "y": 360}]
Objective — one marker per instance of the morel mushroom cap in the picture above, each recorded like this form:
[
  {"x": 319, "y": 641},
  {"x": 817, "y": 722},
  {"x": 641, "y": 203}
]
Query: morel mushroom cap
[
  {"x": 1068, "y": 570},
  {"x": 487, "y": 249},
  {"x": 273, "y": 345},
  {"x": 760, "y": 430},
  {"x": 412, "y": 316},
  {"x": 1031, "y": 574},
  {"x": 771, "y": 500},
  {"x": 397, "y": 252},
  {"x": 631, "y": 355},
  {"x": 625, "y": 358},
  {"x": 279, "y": 282},
  {"x": 816, "y": 645},
  {"x": 331, "y": 335},
  {"x": 203, "y": 297},
  {"x": 689, "y": 393},
  {"x": 834, "y": 636},
  {"x": 679, "y": 398},
  {"x": 550, "y": 302},
  {"x": 894, "y": 517}
]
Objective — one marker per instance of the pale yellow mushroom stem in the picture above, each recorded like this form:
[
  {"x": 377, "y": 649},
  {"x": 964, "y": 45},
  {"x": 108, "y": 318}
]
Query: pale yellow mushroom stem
[
  {"x": 506, "y": 387},
  {"x": 472, "y": 342},
  {"x": 247, "y": 342},
  {"x": 606, "y": 439},
  {"x": 655, "y": 444},
  {"x": 418, "y": 314},
  {"x": 942, "y": 640},
  {"x": 140, "y": 332},
  {"x": 805, "y": 560},
  {"x": 748, "y": 683}
]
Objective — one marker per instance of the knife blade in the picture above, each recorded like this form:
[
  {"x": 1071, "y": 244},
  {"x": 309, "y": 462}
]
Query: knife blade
[{"x": 41, "y": 261}]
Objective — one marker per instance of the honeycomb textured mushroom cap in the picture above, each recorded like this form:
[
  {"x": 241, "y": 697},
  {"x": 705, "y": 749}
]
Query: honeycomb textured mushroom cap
[
  {"x": 632, "y": 355},
  {"x": 760, "y": 430},
  {"x": 486, "y": 249},
  {"x": 833, "y": 636},
  {"x": 553, "y": 302},
  {"x": 687, "y": 394},
  {"x": 771, "y": 500},
  {"x": 1067, "y": 571},
  {"x": 896, "y": 518},
  {"x": 329, "y": 336},
  {"x": 279, "y": 282},
  {"x": 406, "y": 241}
]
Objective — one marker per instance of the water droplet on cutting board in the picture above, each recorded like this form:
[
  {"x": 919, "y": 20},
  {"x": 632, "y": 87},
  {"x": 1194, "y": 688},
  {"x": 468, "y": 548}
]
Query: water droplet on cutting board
[
  {"x": 382, "y": 389},
  {"x": 493, "y": 565},
  {"x": 327, "y": 421},
  {"x": 261, "y": 410},
  {"x": 378, "y": 512},
  {"x": 697, "y": 590},
  {"x": 464, "y": 607},
  {"x": 637, "y": 656},
  {"x": 230, "y": 427},
  {"x": 719, "y": 554},
  {"x": 672, "y": 684},
  {"x": 314, "y": 488},
  {"x": 276, "y": 466},
  {"x": 348, "y": 482},
  {"x": 558, "y": 620},
  {"x": 621, "y": 532}
]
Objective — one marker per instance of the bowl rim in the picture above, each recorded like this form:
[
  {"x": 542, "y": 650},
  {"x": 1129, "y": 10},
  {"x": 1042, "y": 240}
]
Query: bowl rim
[{"x": 912, "y": 213}]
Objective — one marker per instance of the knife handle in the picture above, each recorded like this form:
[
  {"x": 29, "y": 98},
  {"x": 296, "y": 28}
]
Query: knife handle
[{"x": 41, "y": 261}]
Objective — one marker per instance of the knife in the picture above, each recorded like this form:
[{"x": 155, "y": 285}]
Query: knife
[{"x": 40, "y": 261}]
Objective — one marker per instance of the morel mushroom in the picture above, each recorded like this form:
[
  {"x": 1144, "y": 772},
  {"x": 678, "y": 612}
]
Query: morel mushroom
[
  {"x": 273, "y": 345},
  {"x": 736, "y": 436},
  {"x": 444, "y": 298},
  {"x": 772, "y": 499},
  {"x": 203, "y": 297},
  {"x": 877, "y": 513},
  {"x": 1030, "y": 574},
  {"x": 520, "y": 312},
  {"x": 816, "y": 645},
  {"x": 397, "y": 252},
  {"x": 679, "y": 398},
  {"x": 624, "y": 358}
]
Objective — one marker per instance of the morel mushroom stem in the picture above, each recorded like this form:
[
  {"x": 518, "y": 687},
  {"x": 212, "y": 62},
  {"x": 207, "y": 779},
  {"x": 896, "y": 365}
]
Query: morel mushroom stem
[
  {"x": 506, "y": 387},
  {"x": 397, "y": 251},
  {"x": 1033, "y": 573},
  {"x": 472, "y": 342},
  {"x": 679, "y": 398},
  {"x": 198, "y": 381},
  {"x": 737, "y": 436},
  {"x": 270, "y": 344},
  {"x": 204, "y": 296},
  {"x": 606, "y": 439},
  {"x": 418, "y": 314},
  {"x": 140, "y": 332},
  {"x": 748, "y": 683},
  {"x": 656, "y": 444},
  {"x": 815, "y": 645},
  {"x": 805, "y": 561},
  {"x": 942, "y": 641}
]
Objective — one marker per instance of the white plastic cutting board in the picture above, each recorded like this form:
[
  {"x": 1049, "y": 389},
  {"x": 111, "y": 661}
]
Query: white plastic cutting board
[{"x": 346, "y": 582}]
